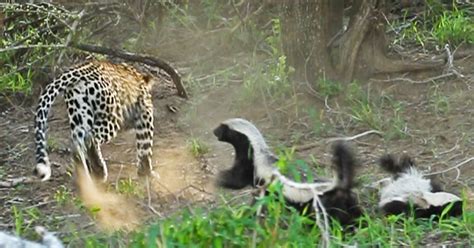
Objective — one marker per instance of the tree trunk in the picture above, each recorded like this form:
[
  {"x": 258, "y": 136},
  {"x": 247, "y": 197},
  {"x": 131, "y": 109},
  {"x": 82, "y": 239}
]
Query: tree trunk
[
  {"x": 317, "y": 46},
  {"x": 307, "y": 27}
]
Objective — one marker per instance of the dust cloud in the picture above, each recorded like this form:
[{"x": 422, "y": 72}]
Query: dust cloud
[
  {"x": 182, "y": 179},
  {"x": 110, "y": 210},
  {"x": 181, "y": 174}
]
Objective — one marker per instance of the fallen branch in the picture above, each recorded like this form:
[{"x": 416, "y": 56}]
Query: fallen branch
[
  {"x": 193, "y": 187},
  {"x": 13, "y": 182},
  {"x": 74, "y": 27},
  {"x": 451, "y": 168},
  {"x": 38, "y": 205},
  {"x": 450, "y": 67},
  {"x": 311, "y": 145},
  {"x": 31, "y": 46},
  {"x": 455, "y": 55},
  {"x": 355, "y": 136},
  {"x": 141, "y": 58},
  {"x": 318, "y": 206},
  {"x": 408, "y": 80}
]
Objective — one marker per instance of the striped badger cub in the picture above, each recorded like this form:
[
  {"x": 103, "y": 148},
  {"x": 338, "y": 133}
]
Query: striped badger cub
[
  {"x": 408, "y": 190},
  {"x": 254, "y": 166}
]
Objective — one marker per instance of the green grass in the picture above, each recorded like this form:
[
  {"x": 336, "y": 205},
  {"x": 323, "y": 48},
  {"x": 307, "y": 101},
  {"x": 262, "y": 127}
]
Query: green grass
[
  {"x": 328, "y": 88},
  {"x": 16, "y": 82},
  {"x": 436, "y": 26},
  {"x": 316, "y": 121},
  {"x": 376, "y": 111},
  {"x": 63, "y": 195},
  {"x": 129, "y": 187},
  {"x": 439, "y": 102},
  {"x": 454, "y": 27},
  {"x": 269, "y": 80},
  {"x": 363, "y": 108},
  {"x": 197, "y": 147},
  {"x": 52, "y": 144},
  {"x": 25, "y": 219},
  {"x": 234, "y": 226}
]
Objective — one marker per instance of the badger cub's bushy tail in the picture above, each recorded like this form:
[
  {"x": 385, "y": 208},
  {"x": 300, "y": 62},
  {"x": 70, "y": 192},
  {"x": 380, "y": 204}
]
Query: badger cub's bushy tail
[
  {"x": 390, "y": 164},
  {"x": 345, "y": 165}
]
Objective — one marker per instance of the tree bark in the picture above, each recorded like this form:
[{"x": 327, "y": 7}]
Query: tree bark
[
  {"x": 307, "y": 27},
  {"x": 353, "y": 38},
  {"x": 315, "y": 43}
]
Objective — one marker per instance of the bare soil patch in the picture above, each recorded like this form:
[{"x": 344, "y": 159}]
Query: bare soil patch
[{"x": 183, "y": 178}]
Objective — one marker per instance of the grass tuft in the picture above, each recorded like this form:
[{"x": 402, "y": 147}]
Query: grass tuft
[{"x": 198, "y": 148}]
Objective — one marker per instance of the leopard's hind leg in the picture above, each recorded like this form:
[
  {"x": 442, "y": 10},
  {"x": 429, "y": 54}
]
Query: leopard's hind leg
[
  {"x": 83, "y": 132},
  {"x": 144, "y": 135},
  {"x": 96, "y": 162}
]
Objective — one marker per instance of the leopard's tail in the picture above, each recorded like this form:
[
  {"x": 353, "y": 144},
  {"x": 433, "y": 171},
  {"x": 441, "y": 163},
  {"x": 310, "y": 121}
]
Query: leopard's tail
[{"x": 46, "y": 100}]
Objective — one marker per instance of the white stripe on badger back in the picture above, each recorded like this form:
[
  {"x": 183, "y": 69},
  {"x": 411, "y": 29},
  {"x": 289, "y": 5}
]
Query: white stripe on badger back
[
  {"x": 261, "y": 151},
  {"x": 304, "y": 192},
  {"x": 410, "y": 184},
  {"x": 439, "y": 199},
  {"x": 293, "y": 191}
]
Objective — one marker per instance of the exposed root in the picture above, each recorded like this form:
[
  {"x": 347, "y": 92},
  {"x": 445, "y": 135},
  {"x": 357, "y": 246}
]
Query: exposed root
[{"x": 366, "y": 39}]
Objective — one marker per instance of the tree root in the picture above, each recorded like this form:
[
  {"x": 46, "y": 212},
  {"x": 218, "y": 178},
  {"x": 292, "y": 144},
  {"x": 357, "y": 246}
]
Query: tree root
[{"x": 365, "y": 44}]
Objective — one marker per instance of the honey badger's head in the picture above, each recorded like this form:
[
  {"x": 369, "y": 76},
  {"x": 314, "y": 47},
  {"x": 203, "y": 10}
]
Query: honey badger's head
[{"x": 253, "y": 159}]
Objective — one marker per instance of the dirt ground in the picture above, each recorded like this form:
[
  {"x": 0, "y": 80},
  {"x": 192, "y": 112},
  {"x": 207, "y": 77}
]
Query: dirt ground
[
  {"x": 437, "y": 141},
  {"x": 183, "y": 178}
]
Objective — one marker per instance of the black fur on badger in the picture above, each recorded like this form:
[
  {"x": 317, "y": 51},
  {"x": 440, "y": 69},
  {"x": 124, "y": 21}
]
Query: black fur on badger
[
  {"x": 253, "y": 166},
  {"x": 408, "y": 191}
]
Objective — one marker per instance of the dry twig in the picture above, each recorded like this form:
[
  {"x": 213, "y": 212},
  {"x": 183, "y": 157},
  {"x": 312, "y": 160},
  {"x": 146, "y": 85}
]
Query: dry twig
[
  {"x": 311, "y": 145},
  {"x": 10, "y": 183},
  {"x": 450, "y": 67},
  {"x": 318, "y": 207},
  {"x": 451, "y": 168},
  {"x": 408, "y": 80}
]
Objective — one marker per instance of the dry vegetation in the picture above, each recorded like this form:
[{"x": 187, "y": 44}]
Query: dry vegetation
[{"x": 232, "y": 61}]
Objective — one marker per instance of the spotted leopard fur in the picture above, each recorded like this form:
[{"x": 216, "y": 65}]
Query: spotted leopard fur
[{"x": 100, "y": 97}]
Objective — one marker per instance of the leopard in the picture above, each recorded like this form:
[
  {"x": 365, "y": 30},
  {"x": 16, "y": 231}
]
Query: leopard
[{"x": 101, "y": 98}]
